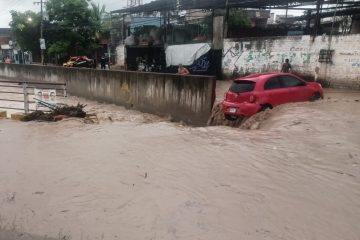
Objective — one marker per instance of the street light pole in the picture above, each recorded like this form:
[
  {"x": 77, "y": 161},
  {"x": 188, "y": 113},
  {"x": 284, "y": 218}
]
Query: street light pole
[
  {"x": 42, "y": 42},
  {"x": 41, "y": 30}
]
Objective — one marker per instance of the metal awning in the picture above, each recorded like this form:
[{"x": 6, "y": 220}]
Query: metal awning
[
  {"x": 170, "y": 5},
  {"x": 339, "y": 12}
]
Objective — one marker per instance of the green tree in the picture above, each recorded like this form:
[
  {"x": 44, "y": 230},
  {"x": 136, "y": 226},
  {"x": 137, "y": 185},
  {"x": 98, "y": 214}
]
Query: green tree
[
  {"x": 25, "y": 27},
  {"x": 101, "y": 20},
  {"x": 71, "y": 29},
  {"x": 207, "y": 26},
  {"x": 238, "y": 19}
]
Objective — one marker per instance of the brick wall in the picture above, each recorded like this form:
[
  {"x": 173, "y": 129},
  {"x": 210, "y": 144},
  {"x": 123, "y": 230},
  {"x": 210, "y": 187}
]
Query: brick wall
[{"x": 250, "y": 55}]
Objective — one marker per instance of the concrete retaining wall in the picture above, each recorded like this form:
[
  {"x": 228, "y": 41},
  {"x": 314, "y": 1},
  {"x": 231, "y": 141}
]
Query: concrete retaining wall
[
  {"x": 189, "y": 99},
  {"x": 251, "y": 55}
]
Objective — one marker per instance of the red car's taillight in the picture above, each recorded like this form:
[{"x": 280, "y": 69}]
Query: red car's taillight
[{"x": 252, "y": 98}]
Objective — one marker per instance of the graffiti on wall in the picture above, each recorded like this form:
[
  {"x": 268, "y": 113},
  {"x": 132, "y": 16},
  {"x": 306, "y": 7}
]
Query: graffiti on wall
[
  {"x": 233, "y": 53},
  {"x": 351, "y": 59},
  {"x": 242, "y": 57}
]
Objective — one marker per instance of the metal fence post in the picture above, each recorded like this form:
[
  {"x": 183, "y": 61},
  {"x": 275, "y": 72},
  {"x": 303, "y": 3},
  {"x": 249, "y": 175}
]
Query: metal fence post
[{"x": 26, "y": 99}]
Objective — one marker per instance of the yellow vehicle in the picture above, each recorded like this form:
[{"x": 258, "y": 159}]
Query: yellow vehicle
[
  {"x": 80, "y": 62},
  {"x": 70, "y": 62}
]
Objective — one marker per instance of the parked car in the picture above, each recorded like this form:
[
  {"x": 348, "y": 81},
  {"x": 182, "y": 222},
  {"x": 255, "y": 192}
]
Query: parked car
[
  {"x": 254, "y": 93},
  {"x": 80, "y": 62}
]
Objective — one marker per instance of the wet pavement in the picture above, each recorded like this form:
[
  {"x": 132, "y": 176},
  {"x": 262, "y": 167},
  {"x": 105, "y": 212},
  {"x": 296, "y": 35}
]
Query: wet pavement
[{"x": 138, "y": 176}]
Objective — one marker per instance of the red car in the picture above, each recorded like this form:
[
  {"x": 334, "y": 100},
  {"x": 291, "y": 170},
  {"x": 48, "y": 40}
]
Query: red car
[{"x": 254, "y": 93}]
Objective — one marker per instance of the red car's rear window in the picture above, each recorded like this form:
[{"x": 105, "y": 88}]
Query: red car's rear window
[{"x": 240, "y": 86}]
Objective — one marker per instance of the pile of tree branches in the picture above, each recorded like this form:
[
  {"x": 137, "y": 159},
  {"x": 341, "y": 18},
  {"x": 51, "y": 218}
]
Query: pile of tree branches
[{"x": 57, "y": 113}]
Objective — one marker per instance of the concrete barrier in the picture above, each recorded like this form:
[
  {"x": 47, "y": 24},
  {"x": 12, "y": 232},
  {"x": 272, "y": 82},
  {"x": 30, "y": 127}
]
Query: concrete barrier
[
  {"x": 3, "y": 114},
  {"x": 17, "y": 116},
  {"x": 183, "y": 98}
]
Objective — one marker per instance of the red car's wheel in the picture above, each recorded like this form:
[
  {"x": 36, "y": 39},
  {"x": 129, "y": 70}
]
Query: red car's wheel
[
  {"x": 265, "y": 107},
  {"x": 315, "y": 96},
  {"x": 231, "y": 117}
]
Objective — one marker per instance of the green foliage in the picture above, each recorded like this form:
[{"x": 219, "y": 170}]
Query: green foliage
[
  {"x": 238, "y": 19},
  {"x": 207, "y": 26},
  {"x": 59, "y": 47},
  {"x": 74, "y": 26},
  {"x": 20, "y": 27},
  {"x": 101, "y": 20},
  {"x": 71, "y": 27},
  {"x": 26, "y": 32}
]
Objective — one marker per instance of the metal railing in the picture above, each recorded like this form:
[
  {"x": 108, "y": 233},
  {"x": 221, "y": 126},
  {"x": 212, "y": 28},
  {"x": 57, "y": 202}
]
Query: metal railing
[{"x": 26, "y": 88}]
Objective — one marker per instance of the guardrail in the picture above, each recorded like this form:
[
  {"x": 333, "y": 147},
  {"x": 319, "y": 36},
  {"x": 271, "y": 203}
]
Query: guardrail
[{"x": 25, "y": 87}]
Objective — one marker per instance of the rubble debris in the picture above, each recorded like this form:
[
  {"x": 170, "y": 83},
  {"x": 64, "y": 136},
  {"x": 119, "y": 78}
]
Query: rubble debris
[
  {"x": 39, "y": 116},
  {"x": 71, "y": 111},
  {"x": 57, "y": 114}
]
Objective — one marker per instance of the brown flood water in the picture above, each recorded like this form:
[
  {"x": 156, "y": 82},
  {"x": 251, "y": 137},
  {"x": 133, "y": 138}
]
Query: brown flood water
[{"x": 136, "y": 176}]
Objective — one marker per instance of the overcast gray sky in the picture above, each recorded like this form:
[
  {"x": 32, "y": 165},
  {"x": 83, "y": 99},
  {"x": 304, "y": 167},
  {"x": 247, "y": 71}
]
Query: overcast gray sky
[{"x": 22, "y": 5}]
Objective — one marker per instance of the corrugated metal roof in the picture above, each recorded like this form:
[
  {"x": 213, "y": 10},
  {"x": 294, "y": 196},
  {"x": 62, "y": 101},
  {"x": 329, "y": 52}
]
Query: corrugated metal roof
[{"x": 168, "y": 5}]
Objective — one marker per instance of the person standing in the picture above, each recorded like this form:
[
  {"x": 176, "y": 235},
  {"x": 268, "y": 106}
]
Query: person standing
[
  {"x": 7, "y": 60},
  {"x": 182, "y": 70},
  {"x": 286, "y": 66},
  {"x": 103, "y": 62}
]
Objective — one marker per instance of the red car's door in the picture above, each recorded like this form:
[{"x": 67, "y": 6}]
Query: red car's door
[
  {"x": 274, "y": 92},
  {"x": 297, "y": 89}
]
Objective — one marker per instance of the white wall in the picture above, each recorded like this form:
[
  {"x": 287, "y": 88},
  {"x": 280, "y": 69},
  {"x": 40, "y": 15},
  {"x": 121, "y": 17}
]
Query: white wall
[{"x": 252, "y": 55}]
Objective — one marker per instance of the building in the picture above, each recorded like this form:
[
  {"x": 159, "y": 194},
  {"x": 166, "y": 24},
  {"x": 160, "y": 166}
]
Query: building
[
  {"x": 271, "y": 20},
  {"x": 194, "y": 16},
  {"x": 10, "y": 48},
  {"x": 224, "y": 48},
  {"x": 5, "y": 43},
  {"x": 258, "y": 18},
  {"x": 283, "y": 19}
]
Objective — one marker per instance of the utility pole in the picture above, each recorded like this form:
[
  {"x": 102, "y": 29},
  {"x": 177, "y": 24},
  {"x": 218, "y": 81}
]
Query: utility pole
[
  {"x": 42, "y": 41},
  {"x": 317, "y": 18},
  {"x": 165, "y": 27},
  {"x": 226, "y": 26}
]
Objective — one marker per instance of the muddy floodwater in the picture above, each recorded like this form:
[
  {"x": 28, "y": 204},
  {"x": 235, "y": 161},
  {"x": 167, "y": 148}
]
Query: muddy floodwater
[{"x": 137, "y": 176}]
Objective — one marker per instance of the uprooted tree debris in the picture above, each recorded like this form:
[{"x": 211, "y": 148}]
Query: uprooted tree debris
[{"x": 57, "y": 113}]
